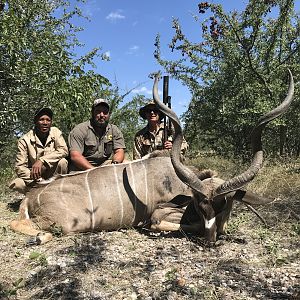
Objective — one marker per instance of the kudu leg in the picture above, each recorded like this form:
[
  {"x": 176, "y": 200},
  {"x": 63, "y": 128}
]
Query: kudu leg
[
  {"x": 170, "y": 219},
  {"x": 166, "y": 219},
  {"x": 27, "y": 227},
  {"x": 168, "y": 226}
]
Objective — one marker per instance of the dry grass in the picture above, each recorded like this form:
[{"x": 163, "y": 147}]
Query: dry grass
[{"x": 252, "y": 262}]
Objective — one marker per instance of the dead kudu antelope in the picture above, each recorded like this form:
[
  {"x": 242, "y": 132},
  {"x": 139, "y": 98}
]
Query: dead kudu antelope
[
  {"x": 140, "y": 192},
  {"x": 212, "y": 196}
]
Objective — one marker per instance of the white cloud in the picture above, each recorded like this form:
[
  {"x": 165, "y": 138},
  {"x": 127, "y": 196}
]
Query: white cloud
[
  {"x": 114, "y": 16},
  {"x": 142, "y": 90},
  {"x": 134, "y": 49},
  {"x": 90, "y": 8},
  {"x": 145, "y": 91}
]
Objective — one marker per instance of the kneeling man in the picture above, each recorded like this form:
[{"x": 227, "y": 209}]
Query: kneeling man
[{"x": 41, "y": 153}]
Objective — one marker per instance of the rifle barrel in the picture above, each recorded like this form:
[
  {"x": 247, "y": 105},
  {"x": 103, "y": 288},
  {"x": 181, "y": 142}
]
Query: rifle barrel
[
  {"x": 165, "y": 89},
  {"x": 169, "y": 101}
]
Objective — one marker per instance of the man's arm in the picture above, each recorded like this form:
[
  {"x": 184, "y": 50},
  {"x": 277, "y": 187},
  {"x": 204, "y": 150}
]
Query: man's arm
[
  {"x": 76, "y": 149},
  {"x": 37, "y": 169},
  {"x": 80, "y": 161},
  {"x": 136, "y": 149},
  {"x": 21, "y": 164},
  {"x": 118, "y": 156},
  {"x": 118, "y": 145},
  {"x": 168, "y": 145}
]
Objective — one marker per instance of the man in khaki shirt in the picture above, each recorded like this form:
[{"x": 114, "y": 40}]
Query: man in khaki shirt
[{"x": 41, "y": 153}]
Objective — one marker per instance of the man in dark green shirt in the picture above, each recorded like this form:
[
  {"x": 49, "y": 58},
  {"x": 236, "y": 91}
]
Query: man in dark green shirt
[{"x": 93, "y": 142}]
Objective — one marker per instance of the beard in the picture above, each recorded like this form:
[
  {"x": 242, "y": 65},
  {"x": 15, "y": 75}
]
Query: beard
[{"x": 97, "y": 124}]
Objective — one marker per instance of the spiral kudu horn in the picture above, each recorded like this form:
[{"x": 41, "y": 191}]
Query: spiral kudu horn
[
  {"x": 242, "y": 179},
  {"x": 185, "y": 175}
]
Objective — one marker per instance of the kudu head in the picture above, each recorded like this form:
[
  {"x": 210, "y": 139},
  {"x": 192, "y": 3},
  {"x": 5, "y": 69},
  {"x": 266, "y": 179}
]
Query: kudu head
[{"x": 213, "y": 196}]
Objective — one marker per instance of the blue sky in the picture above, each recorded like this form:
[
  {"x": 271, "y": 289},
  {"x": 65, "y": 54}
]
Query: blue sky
[{"x": 126, "y": 31}]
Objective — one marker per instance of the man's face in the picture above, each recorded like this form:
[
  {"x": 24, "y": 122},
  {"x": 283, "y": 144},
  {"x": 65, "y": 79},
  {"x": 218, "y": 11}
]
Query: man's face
[
  {"x": 43, "y": 124},
  {"x": 101, "y": 115},
  {"x": 152, "y": 114}
]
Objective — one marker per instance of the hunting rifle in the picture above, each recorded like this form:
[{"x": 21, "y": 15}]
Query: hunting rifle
[{"x": 166, "y": 101}]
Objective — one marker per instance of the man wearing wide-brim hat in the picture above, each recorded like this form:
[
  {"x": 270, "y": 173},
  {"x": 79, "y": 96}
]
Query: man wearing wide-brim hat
[
  {"x": 41, "y": 153},
  {"x": 148, "y": 107},
  {"x": 151, "y": 137}
]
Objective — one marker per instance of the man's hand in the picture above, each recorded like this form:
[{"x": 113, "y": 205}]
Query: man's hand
[
  {"x": 36, "y": 171},
  {"x": 119, "y": 155},
  {"x": 168, "y": 145},
  {"x": 80, "y": 161}
]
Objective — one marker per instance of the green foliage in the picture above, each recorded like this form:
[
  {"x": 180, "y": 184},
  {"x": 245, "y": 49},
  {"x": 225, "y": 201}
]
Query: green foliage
[
  {"x": 236, "y": 72},
  {"x": 39, "y": 68},
  {"x": 39, "y": 258},
  {"x": 6, "y": 291},
  {"x": 235, "y": 223},
  {"x": 6, "y": 175},
  {"x": 56, "y": 230},
  {"x": 128, "y": 119},
  {"x": 171, "y": 275}
]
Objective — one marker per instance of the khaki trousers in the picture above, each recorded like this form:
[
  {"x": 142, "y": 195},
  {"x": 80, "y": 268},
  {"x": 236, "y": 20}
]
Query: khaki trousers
[{"x": 21, "y": 186}]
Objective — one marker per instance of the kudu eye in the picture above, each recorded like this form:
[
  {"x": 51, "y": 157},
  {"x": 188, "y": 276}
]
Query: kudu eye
[
  {"x": 205, "y": 201},
  {"x": 219, "y": 205},
  {"x": 205, "y": 207}
]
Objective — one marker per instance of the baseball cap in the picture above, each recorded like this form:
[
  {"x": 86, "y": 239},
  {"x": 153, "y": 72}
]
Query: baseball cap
[
  {"x": 43, "y": 111},
  {"x": 100, "y": 101}
]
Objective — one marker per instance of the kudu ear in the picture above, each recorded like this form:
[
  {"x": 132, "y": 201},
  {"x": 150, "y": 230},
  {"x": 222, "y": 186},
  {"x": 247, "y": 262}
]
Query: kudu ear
[{"x": 250, "y": 197}]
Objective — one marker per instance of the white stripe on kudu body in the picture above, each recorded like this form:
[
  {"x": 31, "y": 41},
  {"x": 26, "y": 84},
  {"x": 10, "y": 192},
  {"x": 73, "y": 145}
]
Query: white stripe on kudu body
[
  {"x": 90, "y": 201},
  {"x": 146, "y": 184},
  {"x": 39, "y": 195},
  {"x": 26, "y": 213},
  {"x": 63, "y": 197},
  {"x": 119, "y": 195},
  {"x": 134, "y": 191}
]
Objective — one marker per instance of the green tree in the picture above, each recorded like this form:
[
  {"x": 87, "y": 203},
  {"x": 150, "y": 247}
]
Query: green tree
[
  {"x": 38, "y": 66},
  {"x": 125, "y": 114},
  {"x": 236, "y": 72},
  {"x": 129, "y": 121}
]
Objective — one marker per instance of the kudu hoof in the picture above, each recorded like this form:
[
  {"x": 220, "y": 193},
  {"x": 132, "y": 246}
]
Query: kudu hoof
[{"x": 33, "y": 241}]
